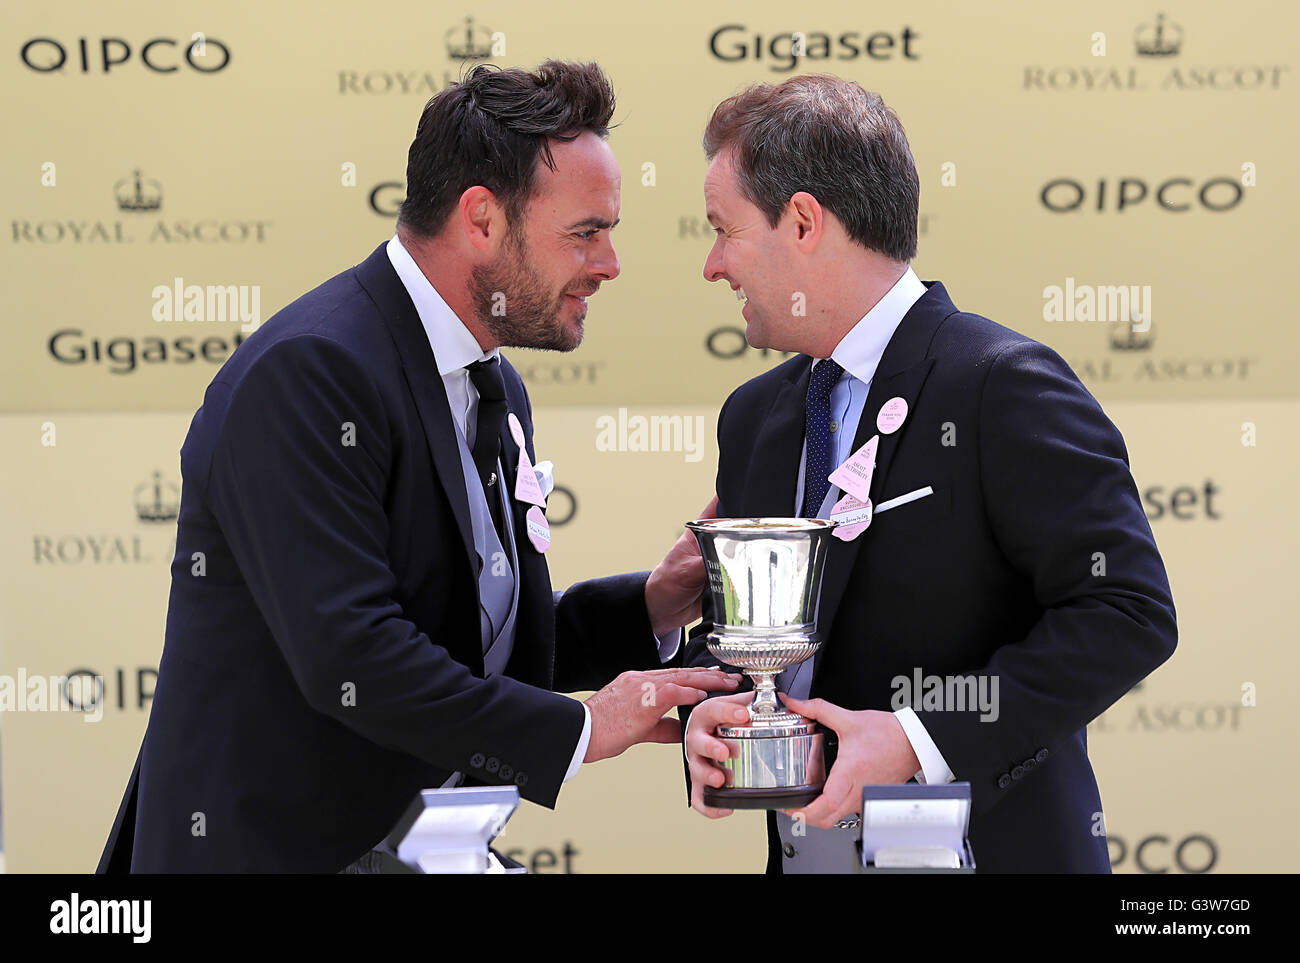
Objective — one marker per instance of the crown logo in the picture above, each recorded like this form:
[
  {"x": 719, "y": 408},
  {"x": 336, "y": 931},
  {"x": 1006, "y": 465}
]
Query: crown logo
[
  {"x": 157, "y": 501},
  {"x": 1157, "y": 40},
  {"x": 133, "y": 195},
  {"x": 1132, "y": 339},
  {"x": 473, "y": 43}
]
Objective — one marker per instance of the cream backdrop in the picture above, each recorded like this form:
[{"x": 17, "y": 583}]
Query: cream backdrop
[{"x": 274, "y": 157}]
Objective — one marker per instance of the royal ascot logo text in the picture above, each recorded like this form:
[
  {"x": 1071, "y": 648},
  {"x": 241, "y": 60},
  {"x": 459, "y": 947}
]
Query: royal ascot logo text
[
  {"x": 1133, "y": 360},
  {"x": 1139, "y": 712},
  {"x": 157, "y": 504},
  {"x": 1153, "y": 65},
  {"x": 464, "y": 44},
  {"x": 138, "y": 198},
  {"x": 782, "y": 52}
]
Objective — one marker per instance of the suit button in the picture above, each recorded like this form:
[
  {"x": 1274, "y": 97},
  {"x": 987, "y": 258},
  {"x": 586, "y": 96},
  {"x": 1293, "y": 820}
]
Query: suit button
[
  {"x": 788, "y": 849},
  {"x": 507, "y": 772},
  {"x": 1030, "y": 764},
  {"x": 1017, "y": 772},
  {"x": 521, "y": 779},
  {"x": 1041, "y": 755},
  {"x": 493, "y": 764},
  {"x": 477, "y": 760},
  {"x": 1003, "y": 781}
]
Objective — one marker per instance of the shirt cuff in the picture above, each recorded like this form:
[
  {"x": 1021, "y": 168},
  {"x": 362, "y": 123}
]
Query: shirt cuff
[
  {"x": 933, "y": 768},
  {"x": 669, "y": 643},
  {"x": 581, "y": 751}
]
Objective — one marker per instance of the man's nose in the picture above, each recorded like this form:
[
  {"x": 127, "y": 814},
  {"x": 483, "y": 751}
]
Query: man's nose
[
  {"x": 713, "y": 264},
  {"x": 605, "y": 265}
]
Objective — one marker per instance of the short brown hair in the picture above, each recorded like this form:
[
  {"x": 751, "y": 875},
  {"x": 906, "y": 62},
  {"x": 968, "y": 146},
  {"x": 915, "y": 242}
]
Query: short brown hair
[
  {"x": 489, "y": 130},
  {"x": 833, "y": 139}
]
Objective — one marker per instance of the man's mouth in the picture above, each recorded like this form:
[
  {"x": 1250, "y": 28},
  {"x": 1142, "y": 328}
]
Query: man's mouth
[{"x": 741, "y": 295}]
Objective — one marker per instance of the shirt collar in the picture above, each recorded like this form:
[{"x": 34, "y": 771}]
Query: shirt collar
[
  {"x": 859, "y": 352},
  {"x": 453, "y": 345}
]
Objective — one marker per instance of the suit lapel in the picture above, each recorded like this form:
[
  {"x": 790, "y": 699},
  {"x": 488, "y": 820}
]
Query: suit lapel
[
  {"x": 420, "y": 369},
  {"x": 842, "y": 555},
  {"x": 774, "y": 465},
  {"x": 533, "y": 659},
  {"x": 901, "y": 373}
]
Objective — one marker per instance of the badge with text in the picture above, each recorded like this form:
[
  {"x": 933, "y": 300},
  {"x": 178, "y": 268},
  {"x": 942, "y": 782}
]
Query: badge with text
[
  {"x": 539, "y": 529},
  {"x": 851, "y": 517},
  {"x": 854, "y": 476},
  {"x": 891, "y": 416},
  {"x": 527, "y": 488},
  {"x": 516, "y": 429}
]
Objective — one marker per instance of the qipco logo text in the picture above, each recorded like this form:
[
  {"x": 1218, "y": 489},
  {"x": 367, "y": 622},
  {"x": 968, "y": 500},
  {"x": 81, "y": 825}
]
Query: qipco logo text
[
  {"x": 102, "y": 55},
  {"x": 728, "y": 343},
  {"x": 1159, "y": 854},
  {"x": 1177, "y": 194}
]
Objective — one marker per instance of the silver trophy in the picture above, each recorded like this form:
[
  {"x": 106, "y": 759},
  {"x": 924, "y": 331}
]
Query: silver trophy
[{"x": 765, "y": 576}]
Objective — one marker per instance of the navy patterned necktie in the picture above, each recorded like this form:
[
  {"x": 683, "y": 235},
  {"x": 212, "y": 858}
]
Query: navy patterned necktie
[{"x": 817, "y": 436}]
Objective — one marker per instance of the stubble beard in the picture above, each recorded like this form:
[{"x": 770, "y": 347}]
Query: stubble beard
[{"x": 512, "y": 302}]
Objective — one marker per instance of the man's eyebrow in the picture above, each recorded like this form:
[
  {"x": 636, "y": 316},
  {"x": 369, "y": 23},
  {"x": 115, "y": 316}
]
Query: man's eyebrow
[{"x": 594, "y": 223}]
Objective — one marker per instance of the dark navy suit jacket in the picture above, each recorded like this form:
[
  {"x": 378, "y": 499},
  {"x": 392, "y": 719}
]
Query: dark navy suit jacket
[
  {"x": 997, "y": 573},
  {"x": 322, "y": 661}
]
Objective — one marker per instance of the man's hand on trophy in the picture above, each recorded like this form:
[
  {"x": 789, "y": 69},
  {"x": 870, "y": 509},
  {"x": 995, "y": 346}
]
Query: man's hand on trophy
[
  {"x": 704, "y": 749},
  {"x": 676, "y": 586},
  {"x": 873, "y": 751},
  {"x": 631, "y": 708}
]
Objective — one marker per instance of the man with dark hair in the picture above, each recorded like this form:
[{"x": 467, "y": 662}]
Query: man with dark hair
[
  {"x": 1007, "y": 553},
  {"x": 360, "y": 606}
]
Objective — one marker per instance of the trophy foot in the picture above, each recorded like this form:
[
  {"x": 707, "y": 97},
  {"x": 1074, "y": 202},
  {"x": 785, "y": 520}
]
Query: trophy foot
[{"x": 787, "y": 797}]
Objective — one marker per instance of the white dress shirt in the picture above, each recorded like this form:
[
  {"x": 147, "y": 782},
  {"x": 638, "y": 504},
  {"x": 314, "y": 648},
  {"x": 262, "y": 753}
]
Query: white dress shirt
[{"x": 454, "y": 347}]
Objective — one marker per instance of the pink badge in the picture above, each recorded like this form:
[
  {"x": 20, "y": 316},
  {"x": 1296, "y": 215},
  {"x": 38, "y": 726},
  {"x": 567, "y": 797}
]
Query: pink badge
[
  {"x": 539, "y": 530},
  {"x": 854, "y": 476},
  {"x": 526, "y": 487},
  {"x": 892, "y": 413},
  {"x": 851, "y": 517},
  {"x": 516, "y": 429}
]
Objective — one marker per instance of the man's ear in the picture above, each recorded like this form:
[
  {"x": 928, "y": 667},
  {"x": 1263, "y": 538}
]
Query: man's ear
[
  {"x": 806, "y": 220},
  {"x": 481, "y": 219}
]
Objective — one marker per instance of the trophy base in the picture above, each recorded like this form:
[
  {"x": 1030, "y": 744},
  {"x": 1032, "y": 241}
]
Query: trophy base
[
  {"x": 789, "y": 797},
  {"x": 770, "y": 766}
]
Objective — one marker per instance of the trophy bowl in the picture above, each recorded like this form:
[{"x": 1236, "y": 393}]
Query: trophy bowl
[{"x": 764, "y": 579}]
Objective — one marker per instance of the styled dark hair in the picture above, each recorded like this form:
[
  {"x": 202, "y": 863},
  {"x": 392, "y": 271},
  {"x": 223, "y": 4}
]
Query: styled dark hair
[
  {"x": 489, "y": 129},
  {"x": 831, "y": 138}
]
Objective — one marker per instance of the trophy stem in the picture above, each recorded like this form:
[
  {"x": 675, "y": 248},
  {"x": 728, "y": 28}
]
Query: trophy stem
[{"x": 765, "y": 702}]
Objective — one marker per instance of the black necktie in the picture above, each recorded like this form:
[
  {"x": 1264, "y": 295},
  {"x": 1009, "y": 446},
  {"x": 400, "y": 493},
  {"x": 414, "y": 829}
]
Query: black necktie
[
  {"x": 817, "y": 436},
  {"x": 491, "y": 387}
]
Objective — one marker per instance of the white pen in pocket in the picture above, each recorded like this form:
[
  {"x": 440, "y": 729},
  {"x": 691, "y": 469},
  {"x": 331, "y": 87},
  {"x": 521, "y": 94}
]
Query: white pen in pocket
[{"x": 904, "y": 499}]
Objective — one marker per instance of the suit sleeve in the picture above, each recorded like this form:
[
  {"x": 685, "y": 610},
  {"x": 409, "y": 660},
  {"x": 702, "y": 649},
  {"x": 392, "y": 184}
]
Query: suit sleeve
[
  {"x": 297, "y": 483},
  {"x": 602, "y": 629},
  {"x": 1065, "y": 511}
]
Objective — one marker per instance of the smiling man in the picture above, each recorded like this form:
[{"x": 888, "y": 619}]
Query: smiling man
[
  {"x": 360, "y": 605},
  {"x": 1008, "y": 555}
]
